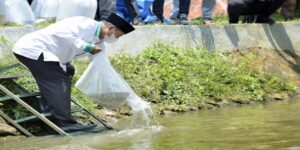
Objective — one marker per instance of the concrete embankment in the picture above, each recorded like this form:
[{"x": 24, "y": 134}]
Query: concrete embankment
[{"x": 221, "y": 38}]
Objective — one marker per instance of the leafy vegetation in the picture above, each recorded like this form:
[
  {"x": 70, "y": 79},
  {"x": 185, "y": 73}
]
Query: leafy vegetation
[
  {"x": 187, "y": 78},
  {"x": 179, "y": 79},
  {"x": 45, "y": 23}
]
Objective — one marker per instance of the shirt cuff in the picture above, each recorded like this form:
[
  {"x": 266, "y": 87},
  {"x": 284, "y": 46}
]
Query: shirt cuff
[{"x": 89, "y": 47}]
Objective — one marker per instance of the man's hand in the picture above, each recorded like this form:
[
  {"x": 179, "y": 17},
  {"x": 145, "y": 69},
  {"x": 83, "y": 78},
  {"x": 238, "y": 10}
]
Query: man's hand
[{"x": 96, "y": 50}]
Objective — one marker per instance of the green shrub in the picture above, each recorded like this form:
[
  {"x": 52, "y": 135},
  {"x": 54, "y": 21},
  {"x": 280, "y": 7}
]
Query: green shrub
[
  {"x": 182, "y": 79},
  {"x": 187, "y": 77}
]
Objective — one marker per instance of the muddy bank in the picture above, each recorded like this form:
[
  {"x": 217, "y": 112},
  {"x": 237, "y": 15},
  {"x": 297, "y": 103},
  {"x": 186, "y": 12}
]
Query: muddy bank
[{"x": 6, "y": 129}]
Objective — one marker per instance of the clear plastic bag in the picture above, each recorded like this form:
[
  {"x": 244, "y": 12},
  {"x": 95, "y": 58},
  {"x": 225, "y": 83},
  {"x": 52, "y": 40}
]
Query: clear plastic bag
[
  {"x": 18, "y": 11},
  {"x": 47, "y": 9},
  {"x": 70, "y": 8},
  {"x": 106, "y": 87}
]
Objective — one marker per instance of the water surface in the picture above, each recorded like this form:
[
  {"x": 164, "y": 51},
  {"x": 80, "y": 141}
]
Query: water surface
[{"x": 272, "y": 126}]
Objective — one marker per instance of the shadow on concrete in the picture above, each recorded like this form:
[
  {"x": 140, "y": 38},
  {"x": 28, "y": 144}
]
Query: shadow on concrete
[
  {"x": 207, "y": 38},
  {"x": 191, "y": 35},
  {"x": 280, "y": 40},
  {"x": 232, "y": 34},
  {"x": 295, "y": 66}
]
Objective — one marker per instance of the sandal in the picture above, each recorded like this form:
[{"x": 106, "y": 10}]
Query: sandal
[{"x": 209, "y": 23}]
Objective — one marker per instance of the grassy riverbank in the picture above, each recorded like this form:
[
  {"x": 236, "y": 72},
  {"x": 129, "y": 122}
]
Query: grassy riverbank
[
  {"x": 180, "y": 79},
  {"x": 188, "y": 79}
]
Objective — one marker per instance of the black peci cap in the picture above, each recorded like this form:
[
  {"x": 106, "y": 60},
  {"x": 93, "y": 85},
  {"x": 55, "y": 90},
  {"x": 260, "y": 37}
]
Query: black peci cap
[{"x": 120, "y": 23}]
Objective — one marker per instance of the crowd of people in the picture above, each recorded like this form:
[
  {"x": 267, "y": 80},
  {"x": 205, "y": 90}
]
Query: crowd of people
[
  {"x": 138, "y": 12},
  {"x": 143, "y": 11},
  {"x": 149, "y": 11}
]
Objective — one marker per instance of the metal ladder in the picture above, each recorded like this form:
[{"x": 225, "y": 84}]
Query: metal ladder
[{"x": 7, "y": 81}]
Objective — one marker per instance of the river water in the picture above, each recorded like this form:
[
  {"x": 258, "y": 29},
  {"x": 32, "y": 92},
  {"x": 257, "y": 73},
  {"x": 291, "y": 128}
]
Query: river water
[{"x": 272, "y": 126}]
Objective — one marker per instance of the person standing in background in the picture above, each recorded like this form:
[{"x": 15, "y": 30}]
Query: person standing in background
[
  {"x": 263, "y": 9},
  {"x": 208, "y": 7},
  {"x": 104, "y": 9},
  {"x": 29, "y": 1},
  {"x": 184, "y": 9},
  {"x": 175, "y": 9},
  {"x": 288, "y": 9},
  {"x": 132, "y": 11},
  {"x": 158, "y": 10}
]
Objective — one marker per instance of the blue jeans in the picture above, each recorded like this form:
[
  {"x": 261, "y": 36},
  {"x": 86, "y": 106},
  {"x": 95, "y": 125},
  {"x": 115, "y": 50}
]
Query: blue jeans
[{"x": 208, "y": 7}]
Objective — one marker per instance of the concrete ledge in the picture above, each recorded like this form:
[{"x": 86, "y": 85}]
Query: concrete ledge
[
  {"x": 12, "y": 34},
  {"x": 221, "y": 38}
]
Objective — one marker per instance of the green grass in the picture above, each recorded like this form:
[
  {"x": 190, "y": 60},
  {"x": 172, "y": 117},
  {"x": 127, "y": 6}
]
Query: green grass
[
  {"x": 181, "y": 79},
  {"x": 46, "y": 23},
  {"x": 41, "y": 24},
  {"x": 187, "y": 78}
]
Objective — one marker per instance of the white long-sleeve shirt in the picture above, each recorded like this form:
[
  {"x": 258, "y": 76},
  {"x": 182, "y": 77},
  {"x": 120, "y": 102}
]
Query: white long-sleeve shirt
[{"x": 62, "y": 41}]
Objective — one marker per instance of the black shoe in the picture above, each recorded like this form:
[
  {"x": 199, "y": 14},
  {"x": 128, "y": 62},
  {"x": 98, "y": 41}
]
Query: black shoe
[
  {"x": 183, "y": 19},
  {"x": 264, "y": 19},
  {"x": 78, "y": 127},
  {"x": 42, "y": 107}
]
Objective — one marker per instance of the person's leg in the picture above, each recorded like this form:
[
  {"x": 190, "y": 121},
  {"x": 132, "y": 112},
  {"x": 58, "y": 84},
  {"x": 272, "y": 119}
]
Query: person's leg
[
  {"x": 158, "y": 9},
  {"x": 208, "y": 7},
  {"x": 269, "y": 7},
  {"x": 288, "y": 9},
  {"x": 29, "y": 1},
  {"x": 235, "y": 9},
  {"x": 55, "y": 87},
  {"x": 273, "y": 6},
  {"x": 98, "y": 16},
  {"x": 105, "y": 8},
  {"x": 175, "y": 9},
  {"x": 184, "y": 8},
  {"x": 130, "y": 8}
]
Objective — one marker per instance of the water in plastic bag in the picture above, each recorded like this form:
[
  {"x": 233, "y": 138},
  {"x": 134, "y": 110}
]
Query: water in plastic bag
[
  {"x": 101, "y": 82},
  {"x": 45, "y": 8},
  {"x": 106, "y": 87},
  {"x": 19, "y": 12},
  {"x": 70, "y": 8}
]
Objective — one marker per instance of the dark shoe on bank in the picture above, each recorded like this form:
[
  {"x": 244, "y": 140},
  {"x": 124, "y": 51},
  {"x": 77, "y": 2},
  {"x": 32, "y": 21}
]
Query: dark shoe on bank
[
  {"x": 183, "y": 19},
  {"x": 77, "y": 127}
]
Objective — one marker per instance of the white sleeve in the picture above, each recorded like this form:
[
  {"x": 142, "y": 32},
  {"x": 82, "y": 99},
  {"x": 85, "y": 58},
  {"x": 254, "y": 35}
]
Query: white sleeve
[{"x": 71, "y": 41}]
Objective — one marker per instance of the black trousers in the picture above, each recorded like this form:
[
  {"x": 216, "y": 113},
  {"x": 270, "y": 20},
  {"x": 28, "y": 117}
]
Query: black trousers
[
  {"x": 55, "y": 86},
  {"x": 29, "y": 1},
  {"x": 104, "y": 9},
  {"x": 158, "y": 7},
  {"x": 130, "y": 8},
  {"x": 261, "y": 8}
]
